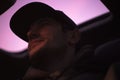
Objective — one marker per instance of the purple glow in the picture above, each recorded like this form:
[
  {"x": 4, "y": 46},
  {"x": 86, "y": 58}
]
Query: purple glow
[{"x": 78, "y": 10}]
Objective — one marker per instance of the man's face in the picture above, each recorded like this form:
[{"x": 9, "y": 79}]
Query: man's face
[{"x": 46, "y": 40}]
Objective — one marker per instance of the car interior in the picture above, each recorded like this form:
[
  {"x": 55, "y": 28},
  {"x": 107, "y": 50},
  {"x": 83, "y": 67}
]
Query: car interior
[{"x": 101, "y": 33}]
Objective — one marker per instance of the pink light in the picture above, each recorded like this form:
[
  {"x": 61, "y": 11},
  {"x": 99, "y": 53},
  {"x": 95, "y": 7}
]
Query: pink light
[{"x": 77, "y": 10}]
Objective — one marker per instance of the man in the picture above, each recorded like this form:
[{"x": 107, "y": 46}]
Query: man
[{"x": 51, "y": 37}]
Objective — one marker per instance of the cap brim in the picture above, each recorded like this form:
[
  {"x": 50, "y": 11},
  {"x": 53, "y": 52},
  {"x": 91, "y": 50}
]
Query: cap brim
[
  {"x": 26, "y": 15},
  {"x": 21, "y": 20}
]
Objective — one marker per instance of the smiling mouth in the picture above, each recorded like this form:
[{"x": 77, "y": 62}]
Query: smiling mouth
[{"x": 35, "y": 43}]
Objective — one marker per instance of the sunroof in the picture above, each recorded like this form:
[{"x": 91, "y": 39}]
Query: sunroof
[{"x": 79, "y": 11}]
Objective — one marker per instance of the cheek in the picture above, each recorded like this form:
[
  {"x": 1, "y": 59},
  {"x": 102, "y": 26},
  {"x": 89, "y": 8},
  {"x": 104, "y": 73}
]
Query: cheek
[{"x": 58, "y": 40}]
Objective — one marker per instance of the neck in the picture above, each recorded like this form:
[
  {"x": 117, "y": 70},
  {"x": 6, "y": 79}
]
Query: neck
[{"x": 51, "y": 67}]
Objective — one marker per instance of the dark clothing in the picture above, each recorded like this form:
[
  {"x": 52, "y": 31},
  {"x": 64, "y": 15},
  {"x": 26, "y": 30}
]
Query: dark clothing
[{"x": 83, "y": 68}]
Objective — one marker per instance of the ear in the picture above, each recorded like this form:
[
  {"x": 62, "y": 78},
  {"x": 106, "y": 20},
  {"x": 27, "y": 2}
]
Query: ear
[{"x": 73, "y": 37}]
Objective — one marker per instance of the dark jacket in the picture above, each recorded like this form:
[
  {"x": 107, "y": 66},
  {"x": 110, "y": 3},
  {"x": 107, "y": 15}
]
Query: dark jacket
[{"x": 84, "y": 67}]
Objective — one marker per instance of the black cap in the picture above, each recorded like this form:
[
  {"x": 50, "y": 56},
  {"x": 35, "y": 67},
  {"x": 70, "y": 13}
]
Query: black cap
[{"x": 26, "y": 15}]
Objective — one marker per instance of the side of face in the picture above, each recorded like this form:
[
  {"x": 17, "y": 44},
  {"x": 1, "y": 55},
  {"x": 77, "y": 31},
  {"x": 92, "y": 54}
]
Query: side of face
[
  {"x": 47, "y": 35},
  {"x": 47, "y": 40}
]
